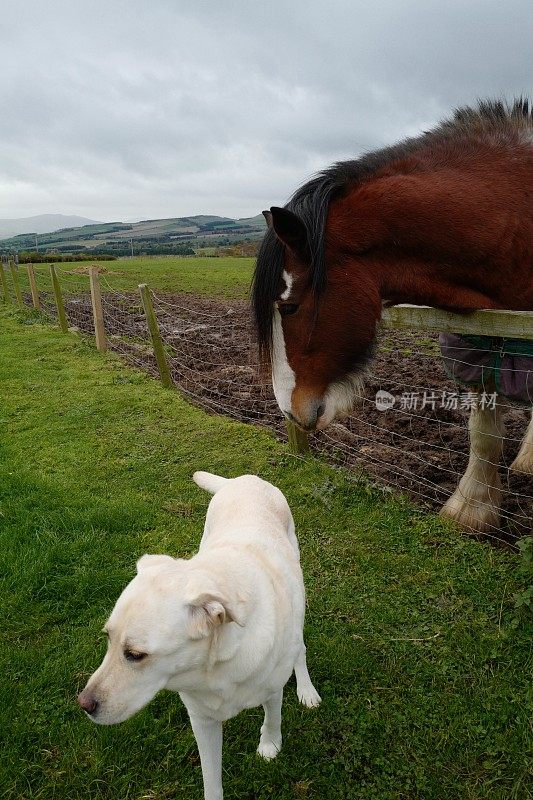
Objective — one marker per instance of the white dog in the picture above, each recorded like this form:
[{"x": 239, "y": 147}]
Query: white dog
[{"x": 224, "y": 628}]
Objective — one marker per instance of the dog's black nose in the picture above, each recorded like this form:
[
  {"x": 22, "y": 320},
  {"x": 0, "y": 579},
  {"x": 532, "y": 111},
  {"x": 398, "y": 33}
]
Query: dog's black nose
[{"x": 88, "y": 702}]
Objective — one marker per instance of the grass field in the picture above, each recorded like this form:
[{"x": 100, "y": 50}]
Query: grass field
[
  {"x": 213, "y": 276},
  {"x": 424, "y": 675}
]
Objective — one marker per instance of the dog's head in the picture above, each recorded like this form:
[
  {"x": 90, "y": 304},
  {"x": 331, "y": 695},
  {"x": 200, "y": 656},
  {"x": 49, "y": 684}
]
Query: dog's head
[{"x": 160, "y": 629}]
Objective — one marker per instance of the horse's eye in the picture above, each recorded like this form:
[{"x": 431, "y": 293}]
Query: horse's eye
[
  {"x": 288, "y": 308},
  {"x": 129, "y": 655}
]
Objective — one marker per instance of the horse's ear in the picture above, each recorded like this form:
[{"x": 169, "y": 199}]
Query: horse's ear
[{"x": 290, "y": 230}]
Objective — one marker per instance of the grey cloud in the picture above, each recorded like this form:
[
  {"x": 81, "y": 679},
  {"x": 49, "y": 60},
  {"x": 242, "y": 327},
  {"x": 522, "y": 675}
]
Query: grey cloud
[{"x": 116, "y": 110}]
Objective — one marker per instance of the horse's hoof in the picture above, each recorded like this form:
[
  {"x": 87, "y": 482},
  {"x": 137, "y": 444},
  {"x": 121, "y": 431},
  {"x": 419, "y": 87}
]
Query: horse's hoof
[
  {"x": 523, "y": 463},
  {"x": 472, "y": 515}
]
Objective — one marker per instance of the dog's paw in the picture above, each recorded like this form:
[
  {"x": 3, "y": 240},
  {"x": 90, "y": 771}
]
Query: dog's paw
[
  {"x": 308, "y": 696},
  {"x": 268, "y": 749}
]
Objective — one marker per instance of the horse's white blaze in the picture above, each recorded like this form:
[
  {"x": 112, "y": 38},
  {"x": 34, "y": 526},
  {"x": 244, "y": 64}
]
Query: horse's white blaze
[
  {"x": 289, "y": 280},
  {"x": 283, "y": 377}
]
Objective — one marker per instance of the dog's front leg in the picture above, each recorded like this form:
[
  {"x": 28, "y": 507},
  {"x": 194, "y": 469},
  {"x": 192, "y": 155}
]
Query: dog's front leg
[
  {"x": 270, "y": 741},
  {"x": 208, "y": 734}
]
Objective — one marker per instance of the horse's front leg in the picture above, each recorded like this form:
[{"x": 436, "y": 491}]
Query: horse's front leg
[
  {"x": 524, "y": 460},
  {"x": 475, "y": 504}
]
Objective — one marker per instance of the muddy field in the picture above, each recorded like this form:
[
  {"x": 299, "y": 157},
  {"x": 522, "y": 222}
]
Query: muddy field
[{"x": 418, "y": 446}]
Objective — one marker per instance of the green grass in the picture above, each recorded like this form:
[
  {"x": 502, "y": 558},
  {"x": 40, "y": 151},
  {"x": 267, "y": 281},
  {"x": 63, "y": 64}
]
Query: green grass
[
  {"x": 227, "y": 277},
  {"x": 424, "y": 679}
]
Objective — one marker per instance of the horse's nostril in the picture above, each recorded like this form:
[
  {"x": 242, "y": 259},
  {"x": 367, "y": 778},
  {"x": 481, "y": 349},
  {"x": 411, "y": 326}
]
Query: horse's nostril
[{"x": 320, "y": 410}]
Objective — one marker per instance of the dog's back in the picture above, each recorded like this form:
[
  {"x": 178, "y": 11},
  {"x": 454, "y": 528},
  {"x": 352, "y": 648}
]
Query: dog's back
[
  {"x": 246, "y": 505},
  {"x": 249, "y": 540}
]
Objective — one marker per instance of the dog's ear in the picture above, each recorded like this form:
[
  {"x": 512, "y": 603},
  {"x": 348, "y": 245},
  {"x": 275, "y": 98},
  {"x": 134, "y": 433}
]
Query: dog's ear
[
  {"x": 153, "y": 561},
  {"x": 207, "y": 611}
]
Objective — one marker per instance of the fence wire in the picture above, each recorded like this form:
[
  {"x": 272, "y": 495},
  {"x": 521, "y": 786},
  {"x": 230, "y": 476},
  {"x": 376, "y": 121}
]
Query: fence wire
[{"x": 419, "y": 445}]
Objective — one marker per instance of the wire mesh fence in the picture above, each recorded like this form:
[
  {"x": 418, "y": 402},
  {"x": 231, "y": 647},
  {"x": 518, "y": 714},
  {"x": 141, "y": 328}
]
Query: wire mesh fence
[{"x": 409, "y": 432}]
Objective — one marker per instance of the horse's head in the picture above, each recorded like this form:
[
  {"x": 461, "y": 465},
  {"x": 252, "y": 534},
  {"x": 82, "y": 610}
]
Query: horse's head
[{"x": 316, "y": 328}]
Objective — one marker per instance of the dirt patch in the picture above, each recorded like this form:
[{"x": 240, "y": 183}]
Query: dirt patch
[{"x": 419, "y": 446}]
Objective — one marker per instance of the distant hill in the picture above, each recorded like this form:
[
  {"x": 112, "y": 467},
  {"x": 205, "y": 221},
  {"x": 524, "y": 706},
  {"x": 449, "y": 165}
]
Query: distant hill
[
  {"x": 175, "y": 235},
  {"x": 42, "y": 223}
]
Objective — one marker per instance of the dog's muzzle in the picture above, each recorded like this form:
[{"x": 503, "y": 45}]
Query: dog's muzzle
[{"x": 88, "y": 702}]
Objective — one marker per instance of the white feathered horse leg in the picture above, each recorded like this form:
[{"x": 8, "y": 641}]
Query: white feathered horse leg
[
  {"x": 475, "y": 504},
  {"x": 524, "y": 460}
]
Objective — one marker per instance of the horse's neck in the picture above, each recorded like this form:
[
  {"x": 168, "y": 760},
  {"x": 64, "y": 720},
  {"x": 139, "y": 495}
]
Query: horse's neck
[
  {"x": 458, "y": 238},
  {"x": 418, "y": 283}
]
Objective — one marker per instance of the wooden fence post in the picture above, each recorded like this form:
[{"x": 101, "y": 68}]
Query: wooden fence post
[
  {"x": 59, "y": 300},
  {"x": 98, "y": 314},
  {"x": 33, "y": 287},
  {"x": 5, "y": 287},
  {"x": 157, "y": 342},
  {"x": 298, "y": 439},
  {"x": 490, "y": 322},
  {"x": 16, "y": 284}
]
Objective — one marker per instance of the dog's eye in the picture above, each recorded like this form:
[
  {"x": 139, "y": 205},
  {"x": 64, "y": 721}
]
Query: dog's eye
[
  {"x": 129, "y": 655},
  {"x": 286, "y": 309}
]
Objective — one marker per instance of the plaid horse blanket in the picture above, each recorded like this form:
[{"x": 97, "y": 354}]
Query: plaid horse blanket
[{"x": 489, "y": 362}]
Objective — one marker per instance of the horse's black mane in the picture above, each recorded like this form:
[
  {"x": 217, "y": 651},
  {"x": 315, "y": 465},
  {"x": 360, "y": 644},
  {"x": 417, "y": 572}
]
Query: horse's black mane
[{"x": 311, "y": 201}]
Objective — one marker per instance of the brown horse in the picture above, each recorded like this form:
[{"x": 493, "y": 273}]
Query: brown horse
[{"x": 444, "y": 219}]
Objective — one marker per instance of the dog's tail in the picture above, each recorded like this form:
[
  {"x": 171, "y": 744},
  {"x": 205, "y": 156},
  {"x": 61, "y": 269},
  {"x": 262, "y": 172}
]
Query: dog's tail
[{"x": 209, "y": 482}]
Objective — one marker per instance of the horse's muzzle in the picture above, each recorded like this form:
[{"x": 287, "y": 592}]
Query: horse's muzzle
[{"x": 308, "y": 422}]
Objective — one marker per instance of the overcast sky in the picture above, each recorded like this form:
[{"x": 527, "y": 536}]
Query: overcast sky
[{"x": 131, "y": 110}]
